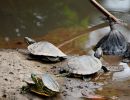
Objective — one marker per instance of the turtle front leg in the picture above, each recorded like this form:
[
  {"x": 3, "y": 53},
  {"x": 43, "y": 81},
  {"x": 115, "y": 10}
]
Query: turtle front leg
[
  {"x": 53, "y": 59},
  {"x": 86, "y": 79},
  {"x": 63, "y": 73},
  {"x": 25, "y": 89}
]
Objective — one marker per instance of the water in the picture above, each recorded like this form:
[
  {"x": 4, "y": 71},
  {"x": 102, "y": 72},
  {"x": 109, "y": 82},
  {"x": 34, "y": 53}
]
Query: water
[
  {"x": 30, "y": 17},
  {"x": 116, "y": 84},
  {"x": 38, "y": 18},
  {"x": 121, "y": 5},
  {"x": 123, "y": 75}
]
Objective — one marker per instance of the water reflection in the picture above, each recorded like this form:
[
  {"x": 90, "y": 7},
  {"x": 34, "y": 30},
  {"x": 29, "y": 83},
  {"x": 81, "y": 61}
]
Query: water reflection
[
  {"x": 30, "y": 17},
  {"x": 96, "y": 35},
  {"x": 123, "y": 75},
  {"x": 37, "y": 18},
  {"x": 117, "y": 5},
  {"x": 7, "y": 39}
]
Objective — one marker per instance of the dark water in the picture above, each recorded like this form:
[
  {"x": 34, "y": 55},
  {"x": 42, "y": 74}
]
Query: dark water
[
  {"x": 33, "y": 18},
  {"x": 37, "y": 18}
]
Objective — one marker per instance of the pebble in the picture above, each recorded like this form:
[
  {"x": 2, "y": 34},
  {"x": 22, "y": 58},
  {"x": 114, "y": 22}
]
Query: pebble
[
  {"x": 4, "y": 96},
  {"x": 6, "y": 79},
  {"x": 11, "y": 73}
]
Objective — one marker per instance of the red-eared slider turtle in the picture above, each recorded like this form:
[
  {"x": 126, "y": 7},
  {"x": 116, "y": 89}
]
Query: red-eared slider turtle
[
  {"x": 45, "y": 50},
  {"x": 87, "y": 65},
  {"x": 44, "y": 85}
]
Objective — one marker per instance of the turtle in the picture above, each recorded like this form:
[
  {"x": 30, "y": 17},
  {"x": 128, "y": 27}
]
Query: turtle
[
  {"x": 44, "y": 85},
  {"x": 44, "y": 50},
  {"x": 87, "y": 65}
]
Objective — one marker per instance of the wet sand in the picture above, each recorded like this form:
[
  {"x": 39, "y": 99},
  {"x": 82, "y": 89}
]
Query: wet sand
[{"x": 15, "y": 67}]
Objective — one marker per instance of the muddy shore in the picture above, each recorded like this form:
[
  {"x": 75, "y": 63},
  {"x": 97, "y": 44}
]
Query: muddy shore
[{"x": 16, "y": 67}]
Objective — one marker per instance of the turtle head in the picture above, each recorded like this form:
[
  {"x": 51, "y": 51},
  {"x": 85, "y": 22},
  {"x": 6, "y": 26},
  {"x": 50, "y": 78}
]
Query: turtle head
[
  {"x": 29, "y": 40},
  {"x": 34, "y": 77},
  {"x": 37, "y": 80},
  {"x": 98, "y": 53}
]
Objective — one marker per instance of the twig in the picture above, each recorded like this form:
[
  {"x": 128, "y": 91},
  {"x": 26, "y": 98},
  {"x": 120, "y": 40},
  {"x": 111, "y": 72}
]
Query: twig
[
  {"x": 104, "y": 11},
  {"x": 88, "y": 30}
]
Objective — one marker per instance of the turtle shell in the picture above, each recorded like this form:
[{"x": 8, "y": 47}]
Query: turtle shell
[
  {"x": 83, "y": 65},
  {"x": 45, "y": 49},
  {"x": 50, "y": 83}
]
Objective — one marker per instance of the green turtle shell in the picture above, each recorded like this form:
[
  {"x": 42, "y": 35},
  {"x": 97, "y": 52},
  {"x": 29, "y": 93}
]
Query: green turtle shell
[{"x": 50, "y": 83}]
